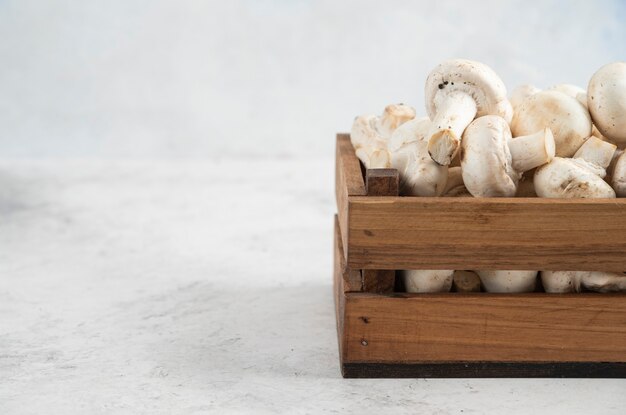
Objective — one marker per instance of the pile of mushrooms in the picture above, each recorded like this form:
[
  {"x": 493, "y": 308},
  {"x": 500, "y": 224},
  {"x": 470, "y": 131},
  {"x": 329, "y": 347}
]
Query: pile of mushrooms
[{"x": 561, "y": 142}]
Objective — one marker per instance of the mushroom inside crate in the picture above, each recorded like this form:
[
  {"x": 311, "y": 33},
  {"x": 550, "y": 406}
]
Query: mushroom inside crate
[
  {"x": 561, "y": 142},
  {"x": 370, "y": 134},
  {"x": 457, "y": 91}
]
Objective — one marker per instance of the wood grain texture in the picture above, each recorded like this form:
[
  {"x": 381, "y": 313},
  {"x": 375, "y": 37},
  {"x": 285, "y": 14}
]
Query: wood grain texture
[
  {"x": 478, "y": 327},
  {"x": 352, "y": 280},
  {"x": 348, "y": 180},
  {"x": 485, "y": 370},
  {"x": 379, "y": 281},
  {"x": 339, "y": 291},
  {"x": 465, "y": 282},
  {"x": 380, "y": 182},
  {"x": 493, "y": 233}
]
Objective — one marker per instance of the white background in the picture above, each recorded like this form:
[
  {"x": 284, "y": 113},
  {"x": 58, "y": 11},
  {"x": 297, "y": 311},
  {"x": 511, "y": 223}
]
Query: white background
[
  {"x": 167, "y": 79},
  {"x": 166, "y": 195}
]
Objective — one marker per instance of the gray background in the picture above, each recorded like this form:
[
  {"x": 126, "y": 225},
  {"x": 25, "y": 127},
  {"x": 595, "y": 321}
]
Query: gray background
[
  {"x": 166, "y": 196},
  {"x": 169, "y": 79}
]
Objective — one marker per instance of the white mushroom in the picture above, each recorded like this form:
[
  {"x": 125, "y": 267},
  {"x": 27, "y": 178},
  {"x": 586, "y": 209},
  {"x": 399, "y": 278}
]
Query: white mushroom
[
  {"x": 576, "y": 281},
  {"x": 508, "y": 281},
  {"x": 596, "y": 151},
  {"x": 577, "y": 177},
  {"x": 393, "y": 117},
  {"x": 370, "y": 133},
  {"x": 427, "y": 281},
  {"x": 618, "y": 176},
  {"x": 454, "y": 185},
  {"x": 457, "y": 91},
  {"x": 492, "y": 162},
  {"x": 572, "y": 91},
  {"x": 419, "y": 174},
  {"x": 564, "y": 178},
  {"x": 606, "y": 100},
  {"x": 565, "y": 116},
  {"x": 581, "y": 96},
  {"x": 520, "y": 93}
]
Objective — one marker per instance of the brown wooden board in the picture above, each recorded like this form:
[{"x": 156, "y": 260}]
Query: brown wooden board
[
  {"x": 474, "y": 334},
  {"x": 339, "y": 288},
  {"x": 479, "y": 334},
  {"x": 380, "y": 182},
  {"x": 479, "y": 327},
  {"x": 352, "y": 280},
  {"x": 475, "y": 233},
  {"x": 348, "y": 180},
  {"x": 465, "y": 282}
]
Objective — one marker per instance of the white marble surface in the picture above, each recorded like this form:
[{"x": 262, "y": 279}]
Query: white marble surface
[{"x": 183, "y": 288}]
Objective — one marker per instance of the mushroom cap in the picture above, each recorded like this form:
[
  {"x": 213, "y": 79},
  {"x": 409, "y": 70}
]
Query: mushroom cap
[
  {"x": 474, "y": 78},
  {"x": 565, "y": 116},
  {"x": 565, "y": 178},
  {"x": 370, "y": 147},
  {"x": 486, "y": 159},
  {"x": 508, "y": 281},
  {"x": 419, "y": 174},
  {"x": 409, "y": 133},
  {"x": 365, "y": 134},
  {"x": 573, "y": 91},
  {"x": 394, "y": 116},
  {"x": 520, "y": 93},
  {"x": 606, "y": 100},
  {"x": 568, "y": 89}
]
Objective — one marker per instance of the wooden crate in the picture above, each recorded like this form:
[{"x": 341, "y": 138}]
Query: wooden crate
[{"x": 383, "y": 333}]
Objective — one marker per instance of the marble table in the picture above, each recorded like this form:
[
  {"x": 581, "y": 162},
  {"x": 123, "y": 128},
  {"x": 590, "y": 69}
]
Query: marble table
[{"x": 132, "y": 287}]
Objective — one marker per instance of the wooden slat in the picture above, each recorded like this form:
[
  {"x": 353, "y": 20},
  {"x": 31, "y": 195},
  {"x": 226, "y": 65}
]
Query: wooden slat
[
  {"x": 465, "y": 282},
  {"x": 485, "y": 370},
  {"x": 490, "y": 233},
  {"x": 339, "y": 290},
  {"x": 478, "y": 327},
  {"x": 380, "y": 182},
  {"x": 348, "y": 180},
  {"x": 352, "y": 281}
]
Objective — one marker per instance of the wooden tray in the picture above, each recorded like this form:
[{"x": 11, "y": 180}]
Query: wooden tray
[{"x": 388, "y": 334}]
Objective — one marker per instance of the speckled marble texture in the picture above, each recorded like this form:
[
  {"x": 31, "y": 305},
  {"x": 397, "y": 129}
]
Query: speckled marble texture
[{"x": 184, "y": 288}]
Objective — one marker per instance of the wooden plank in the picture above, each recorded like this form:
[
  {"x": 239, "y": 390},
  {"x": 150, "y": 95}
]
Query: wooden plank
[
  {"x": 490, "y": 233},
  {"x": 479, "y": 327},
  {"x": 352, "y": 280},
  {"x": 380, "y": 182},
  {"x": 379, "y": 281},
  {"x": 339, "y": 292},
  {"x": 348, "y": 180},
  {"x": 485, "y": 370},
  {"x": 465, "y": 282}
]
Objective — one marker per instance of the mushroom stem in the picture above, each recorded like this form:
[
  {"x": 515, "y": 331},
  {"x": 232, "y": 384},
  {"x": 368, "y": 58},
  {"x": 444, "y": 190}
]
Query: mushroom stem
[
  {"x": 530, "y": 151},
  {"x": 455, "y": 112},
  {"x": 596, "y": 151}
]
